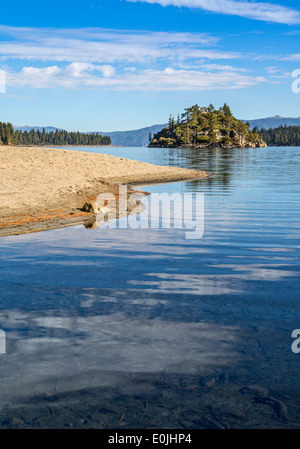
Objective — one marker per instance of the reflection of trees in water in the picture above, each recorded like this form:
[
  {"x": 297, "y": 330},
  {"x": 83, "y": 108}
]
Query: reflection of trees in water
[{"x": 221, "y": 163}]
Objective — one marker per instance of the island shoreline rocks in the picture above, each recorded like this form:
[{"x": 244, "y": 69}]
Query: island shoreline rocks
[{"x": 46, "y": 188}]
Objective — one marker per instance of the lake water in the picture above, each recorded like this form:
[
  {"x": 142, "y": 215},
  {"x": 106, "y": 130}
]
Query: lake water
[{"x": 143, "y": 328}]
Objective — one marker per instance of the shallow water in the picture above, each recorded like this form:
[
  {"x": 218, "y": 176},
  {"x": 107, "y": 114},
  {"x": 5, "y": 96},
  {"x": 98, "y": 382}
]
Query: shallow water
[{"x": 143, "y": 328}]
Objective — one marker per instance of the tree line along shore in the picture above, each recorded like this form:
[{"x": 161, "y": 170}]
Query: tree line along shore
[
  {"x": 9, "y": 136},
  {"x": 281, "y": 136}
]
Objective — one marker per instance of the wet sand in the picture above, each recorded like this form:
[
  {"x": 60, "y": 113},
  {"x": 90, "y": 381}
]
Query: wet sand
[{"x": 46, "y": 188}]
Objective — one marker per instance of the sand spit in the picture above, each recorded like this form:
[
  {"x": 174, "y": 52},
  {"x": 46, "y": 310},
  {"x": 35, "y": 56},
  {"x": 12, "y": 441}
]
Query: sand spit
[{"x": 46, "y": 188}]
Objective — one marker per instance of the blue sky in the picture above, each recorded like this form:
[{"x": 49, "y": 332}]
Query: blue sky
[{"x": 124, "y": 64}]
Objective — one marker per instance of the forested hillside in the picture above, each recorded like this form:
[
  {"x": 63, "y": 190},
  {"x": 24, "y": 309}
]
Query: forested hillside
[
  {"x": 207, "y": 127},
  {"x": 281, "y": 136},
  {"x": 9, "y": 136}
]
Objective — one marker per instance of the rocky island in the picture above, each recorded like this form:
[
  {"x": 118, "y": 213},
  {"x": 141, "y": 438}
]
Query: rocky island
[{"x": 207, "y": 127}]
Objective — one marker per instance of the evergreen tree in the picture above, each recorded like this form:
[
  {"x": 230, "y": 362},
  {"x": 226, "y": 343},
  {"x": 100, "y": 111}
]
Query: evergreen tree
[
  {"x": 1, "y": 133},
  {"x": 225, "y": 109}
]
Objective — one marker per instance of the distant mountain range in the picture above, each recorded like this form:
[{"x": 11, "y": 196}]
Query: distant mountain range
[
  {"x": 274, "y": 122},
  {"x": 140, "y": 137},
  {"x": 134, "y": 138},
  {"x": 48, "y": 129}
]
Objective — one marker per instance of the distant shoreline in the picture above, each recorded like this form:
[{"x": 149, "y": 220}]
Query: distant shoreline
[
  {"x": 207, "y": 147},
  {"x": 57, "y": 146},
  {"x": 104, "y": 146},
  {"x": 45, "y": 188}
]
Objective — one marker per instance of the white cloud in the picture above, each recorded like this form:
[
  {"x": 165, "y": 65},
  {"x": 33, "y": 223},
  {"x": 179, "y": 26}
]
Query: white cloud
[
  {"x": 107, "y": 35},
  {"x": 107, "y": 70},
  {"x": 121, "y": 60},
  {"x": 292, "y": 57},
  {"x": 38, "y": 77},
  {"x": 273, "y": 70},
  {"x": 222, "y": 67},
  {"x": 87, "y": 76},
  {"x": 267, "y": 12},
  {"x": 78, "y": 69},
  {"x": 106, "y": 46},
  {"x": 74, "y": 75}
]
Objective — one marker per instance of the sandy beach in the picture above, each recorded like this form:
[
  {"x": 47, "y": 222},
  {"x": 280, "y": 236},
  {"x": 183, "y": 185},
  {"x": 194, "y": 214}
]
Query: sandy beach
[{"x": 46, "y": 188}]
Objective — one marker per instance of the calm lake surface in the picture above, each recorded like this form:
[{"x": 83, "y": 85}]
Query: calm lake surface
[{"x": 143, "y": 328}]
